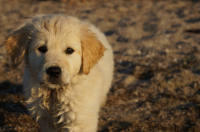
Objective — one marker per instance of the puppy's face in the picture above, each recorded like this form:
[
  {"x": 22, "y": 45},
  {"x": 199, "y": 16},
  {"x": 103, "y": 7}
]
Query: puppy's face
[
  {"x": 55, "y": 58},
  {"x": 56, "y": 49}
]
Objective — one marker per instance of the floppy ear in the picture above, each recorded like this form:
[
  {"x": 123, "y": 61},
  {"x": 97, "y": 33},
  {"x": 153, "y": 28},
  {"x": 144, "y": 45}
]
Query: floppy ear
[
  {"x": 16, "y": 45},
  {"x": 92, "y": 50}
]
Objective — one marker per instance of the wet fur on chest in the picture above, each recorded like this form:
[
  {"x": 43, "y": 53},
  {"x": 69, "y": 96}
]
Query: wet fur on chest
[{"x": 53, "y": 104}]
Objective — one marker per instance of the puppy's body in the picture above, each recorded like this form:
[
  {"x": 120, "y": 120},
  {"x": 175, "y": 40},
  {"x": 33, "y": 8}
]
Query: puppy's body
[{"x": 70, "y": 100}]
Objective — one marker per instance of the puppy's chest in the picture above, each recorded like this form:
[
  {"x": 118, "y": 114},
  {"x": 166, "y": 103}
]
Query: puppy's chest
[
  {"x": 61, "y": 111},
  {"x": 57, "y": 106}
]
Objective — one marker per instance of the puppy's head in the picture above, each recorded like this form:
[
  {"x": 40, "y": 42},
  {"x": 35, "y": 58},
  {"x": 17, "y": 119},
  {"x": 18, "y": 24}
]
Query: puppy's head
[{"x": 55, "y": 48}]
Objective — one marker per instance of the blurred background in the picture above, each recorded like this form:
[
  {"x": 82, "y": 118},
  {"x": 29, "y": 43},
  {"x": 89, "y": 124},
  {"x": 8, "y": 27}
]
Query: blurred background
[{"x": 156, "y": 43}]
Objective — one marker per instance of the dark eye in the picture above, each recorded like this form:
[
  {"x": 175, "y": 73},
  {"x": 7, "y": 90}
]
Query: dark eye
[
  {"x": 69, "y": 50},
  {"x": 43, "y": 49}
]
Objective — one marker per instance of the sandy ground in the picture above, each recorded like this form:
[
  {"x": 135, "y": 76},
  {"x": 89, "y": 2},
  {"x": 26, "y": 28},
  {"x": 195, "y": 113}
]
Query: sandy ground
[{"x": 156, "y": 85}]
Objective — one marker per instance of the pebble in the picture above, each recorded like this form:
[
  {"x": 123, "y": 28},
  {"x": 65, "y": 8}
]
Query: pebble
[
  {"x": 122, "y": 39},
  {"x": 143, "y": 38},
  {"x": 150, "y": 27},
  {"x": 193, "y": 20},
  {"x": 110, "y": 32},
  {"x": 123, "y": 23},
  {"x": 180, "y": 13},
  {"x": 130, "y": 79},
  {"x": 143, "y": 72}
]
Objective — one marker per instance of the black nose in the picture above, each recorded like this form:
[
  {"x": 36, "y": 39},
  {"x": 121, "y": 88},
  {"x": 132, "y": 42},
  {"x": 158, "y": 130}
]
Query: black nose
[{"x": 53, "y": 71}]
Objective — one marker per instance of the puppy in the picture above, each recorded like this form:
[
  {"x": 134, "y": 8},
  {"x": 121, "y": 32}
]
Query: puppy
[{"x": 68, "y": 71}]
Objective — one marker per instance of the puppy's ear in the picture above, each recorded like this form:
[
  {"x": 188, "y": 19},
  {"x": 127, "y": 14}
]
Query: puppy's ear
[
  {"x": 16, "y": 45},
  {"x": 92, "y": 50}
]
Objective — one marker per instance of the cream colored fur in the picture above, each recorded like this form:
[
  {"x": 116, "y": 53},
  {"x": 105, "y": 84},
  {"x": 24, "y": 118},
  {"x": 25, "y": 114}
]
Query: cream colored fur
[{"x": 73, "y": 104}]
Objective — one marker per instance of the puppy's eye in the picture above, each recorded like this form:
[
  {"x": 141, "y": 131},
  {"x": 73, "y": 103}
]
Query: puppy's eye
[
  {"x": 69, "y": 50},
  {"x": 43, "y": 49}
]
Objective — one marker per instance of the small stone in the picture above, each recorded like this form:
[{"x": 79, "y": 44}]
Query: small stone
[
  {"x": 150, "y": 27},
  {"x": 110, "y": 32},
  {"x": 180, "y": 13},
  {"x": 193, "y": 20},
  {"x": 123, "y": 23},
  {"x": 126, "y": 67},
  {"x": 180, "y": 42},
  {"x": 87, "y": 11},
  {"x": 176, "y": 25},
  {"x": 169, "y": 32},
  {"x": 122, "y": 39},
  {"x": 144, "y": 38},
  {"x": 194, "y": 31},
  {"x": 143, "y": 72},
  {"x": 130, "y": 79},
  {"x": 195, "y": 1}
]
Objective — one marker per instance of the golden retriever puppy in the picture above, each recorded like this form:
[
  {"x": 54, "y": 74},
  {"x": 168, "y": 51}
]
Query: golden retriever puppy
[{"x": 68, "y": 71}]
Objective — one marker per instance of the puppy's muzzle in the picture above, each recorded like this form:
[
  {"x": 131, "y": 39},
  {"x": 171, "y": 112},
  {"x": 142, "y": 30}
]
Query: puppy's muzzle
[{"x": 54, "y": 74}]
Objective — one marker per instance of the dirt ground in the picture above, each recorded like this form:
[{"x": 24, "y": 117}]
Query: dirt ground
[{"x": 156, "y": 86}]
